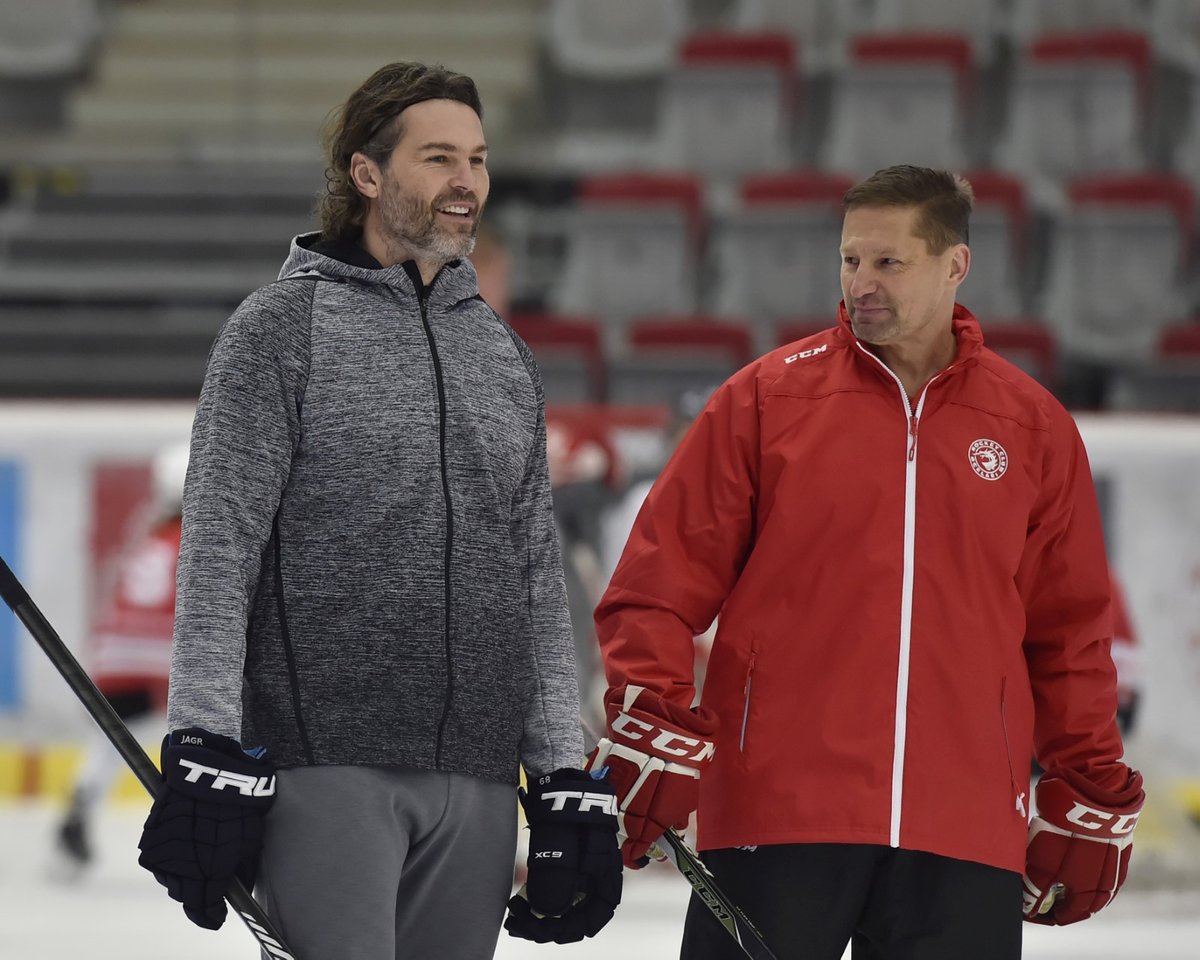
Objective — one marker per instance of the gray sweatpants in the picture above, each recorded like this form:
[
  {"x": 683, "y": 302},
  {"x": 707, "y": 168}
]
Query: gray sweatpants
[{"x": 378, "y": 863}]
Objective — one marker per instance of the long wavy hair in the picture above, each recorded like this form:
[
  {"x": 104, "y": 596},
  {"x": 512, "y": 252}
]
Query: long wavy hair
[{"x": 369, "y": 122}]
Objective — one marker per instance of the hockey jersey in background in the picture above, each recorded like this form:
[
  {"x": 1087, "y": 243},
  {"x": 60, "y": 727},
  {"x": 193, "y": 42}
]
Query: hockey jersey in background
[{"x": 131, "y": 641}]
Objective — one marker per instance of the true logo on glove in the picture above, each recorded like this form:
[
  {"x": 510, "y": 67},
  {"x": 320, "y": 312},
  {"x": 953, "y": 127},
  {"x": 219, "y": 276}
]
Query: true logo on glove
[
  {"x": 604, "y": 802},
  {"x": 665, "y": 740},
  {"x": 245, "y": 784},
  {"x": 1119, "y": 826}
]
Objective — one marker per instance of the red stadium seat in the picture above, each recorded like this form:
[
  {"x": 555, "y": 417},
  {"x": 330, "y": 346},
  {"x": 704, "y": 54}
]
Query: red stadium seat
[
  {"x": 1026, "y": 343},
  {"x": 633, "y": 247},
  {"x": 1119, "y": 271},
  {"x": 798, "y": 328},
  {"x": 730, "y": 103},
  {"x": 1079, "y": 105},
  {"x": 1181, "y": 342},
  {"x": 999, "y": 238},
  {"x": 776, "y": 253},
  {"x": 903, "y": 99},
  {"x": 569, "y": 355},
  {"x": 697, "y": 332},
  {"x": 669, "y": 355}
]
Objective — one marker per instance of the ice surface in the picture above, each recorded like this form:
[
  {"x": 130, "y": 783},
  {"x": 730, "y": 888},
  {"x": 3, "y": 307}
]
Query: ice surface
[{"x": 117, "y": 911}]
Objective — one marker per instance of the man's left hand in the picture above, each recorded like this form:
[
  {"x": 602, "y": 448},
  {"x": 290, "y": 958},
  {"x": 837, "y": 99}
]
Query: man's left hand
[{"x": 1079, "y": 846}]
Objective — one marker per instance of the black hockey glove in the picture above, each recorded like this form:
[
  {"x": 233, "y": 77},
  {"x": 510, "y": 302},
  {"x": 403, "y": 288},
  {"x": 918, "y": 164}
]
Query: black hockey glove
[
  {"x": 206, "y": 824},
  {"x": 574, "y": 881}
]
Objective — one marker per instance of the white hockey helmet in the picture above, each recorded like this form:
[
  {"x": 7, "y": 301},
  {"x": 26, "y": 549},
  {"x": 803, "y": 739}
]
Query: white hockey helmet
[{"x": 168, "y": 470}]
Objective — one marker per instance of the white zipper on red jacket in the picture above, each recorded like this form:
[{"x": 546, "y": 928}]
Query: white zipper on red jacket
[{"x": 906, "y": 590}]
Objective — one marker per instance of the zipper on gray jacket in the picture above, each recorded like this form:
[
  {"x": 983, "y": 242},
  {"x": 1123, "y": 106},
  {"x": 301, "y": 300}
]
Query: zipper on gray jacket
[{"x": 422, "y": 300}]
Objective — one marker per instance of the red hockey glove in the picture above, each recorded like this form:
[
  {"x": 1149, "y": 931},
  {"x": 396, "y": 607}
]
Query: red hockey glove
[
  {"x": 654, "y": 753},
  {"x": 1079, "y": 846}
]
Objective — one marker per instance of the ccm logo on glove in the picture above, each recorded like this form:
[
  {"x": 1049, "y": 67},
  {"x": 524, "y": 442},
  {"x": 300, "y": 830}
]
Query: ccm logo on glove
[
  {"x": 1079, "y": 845},
  {"x": 653, "y": 753},
  {"x": 1102, "y": 820},
  {"x": 246, "y": 785},
  {"x": 664, "y": 741}
]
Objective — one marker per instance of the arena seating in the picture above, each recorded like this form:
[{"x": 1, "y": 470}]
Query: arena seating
[
  {"x": 570, "y": 356},
  {"x": 1079, "y": 105},
  {"x": 168, "y": 191},
  {"x": 731, "y": 104},
  {"x": 666, "y": 356},
  {"x": 633, "y": 245},
  {"x": 775, "y": 253},
  {"x": 1121, "y": 265},
  {"x": 901, "y": 96}
]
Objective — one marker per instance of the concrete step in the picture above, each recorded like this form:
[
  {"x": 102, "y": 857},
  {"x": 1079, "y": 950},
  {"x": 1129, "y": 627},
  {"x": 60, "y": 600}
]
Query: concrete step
[
  {"x": 284, "y": 24},
  {"x": 212, "y": 230},
  {"x": 221, "y": 72},
  {"x": 231, "y": 78},
  {"x": 206, "y": 282},
  {"x": 465, "y": 10},
  {"x": 114, "y": 116}
]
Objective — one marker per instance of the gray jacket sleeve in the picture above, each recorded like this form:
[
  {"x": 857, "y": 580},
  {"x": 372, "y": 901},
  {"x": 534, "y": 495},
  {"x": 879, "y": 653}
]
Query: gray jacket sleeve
[
  {"x": 553, "y": 736},
  {"x": 246, "y": 428}
]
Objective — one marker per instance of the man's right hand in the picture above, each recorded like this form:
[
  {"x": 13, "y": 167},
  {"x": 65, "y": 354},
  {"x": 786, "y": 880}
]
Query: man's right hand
[
  {"x": 654, "y": 753},
  {"x": 206, "y": 824}
]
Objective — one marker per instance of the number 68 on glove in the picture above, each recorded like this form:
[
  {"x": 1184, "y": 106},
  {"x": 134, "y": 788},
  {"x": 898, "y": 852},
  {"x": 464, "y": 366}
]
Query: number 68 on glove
[{"x": 654, "y": 753}]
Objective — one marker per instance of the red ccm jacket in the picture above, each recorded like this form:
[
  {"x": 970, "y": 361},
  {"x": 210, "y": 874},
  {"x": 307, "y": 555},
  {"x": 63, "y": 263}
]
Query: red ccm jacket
[{"x": 913, "y": 600}]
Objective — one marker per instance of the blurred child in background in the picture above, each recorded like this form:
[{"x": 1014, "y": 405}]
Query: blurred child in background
[{"x": 130, "y": 650}]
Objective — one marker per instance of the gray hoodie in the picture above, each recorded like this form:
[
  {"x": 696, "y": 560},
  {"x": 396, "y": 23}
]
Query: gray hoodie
[{"x": 369, "y": 571}]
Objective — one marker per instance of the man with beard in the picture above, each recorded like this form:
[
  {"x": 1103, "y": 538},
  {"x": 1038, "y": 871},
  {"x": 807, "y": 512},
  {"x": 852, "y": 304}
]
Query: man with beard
[
  {"x": 900, "y": 533},
  {"x": 370, "y": 590}
]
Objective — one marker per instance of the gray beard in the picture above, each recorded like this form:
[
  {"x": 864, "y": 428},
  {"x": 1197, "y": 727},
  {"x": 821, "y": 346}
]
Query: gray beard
[{"x": 410, "y": 225}]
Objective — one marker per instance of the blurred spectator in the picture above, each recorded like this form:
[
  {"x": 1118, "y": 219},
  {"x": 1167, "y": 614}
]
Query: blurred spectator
[
  {"x": 130, "y": 648},
  {"x": 493, "y": 267},
  {"x": 583, "y": 476},
  {"x": 617, "y": 520}
]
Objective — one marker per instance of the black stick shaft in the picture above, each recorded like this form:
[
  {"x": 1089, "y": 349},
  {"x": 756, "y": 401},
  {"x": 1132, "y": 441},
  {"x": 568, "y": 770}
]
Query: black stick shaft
[
  {"x": 712, "y": 896},
  {"x": 705, "y": 885},
  {"x": 118, "y": 734}
]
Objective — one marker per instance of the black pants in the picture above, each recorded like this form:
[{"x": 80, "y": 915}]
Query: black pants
[{"x": 809, "y": 900}]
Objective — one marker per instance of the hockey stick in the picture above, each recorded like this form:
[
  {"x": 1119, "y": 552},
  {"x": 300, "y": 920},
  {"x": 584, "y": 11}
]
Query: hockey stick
[
  {"x": 684, "y": 859},
  {"x": 118, "y": 734},
  {"x": 725, "y": 910}
]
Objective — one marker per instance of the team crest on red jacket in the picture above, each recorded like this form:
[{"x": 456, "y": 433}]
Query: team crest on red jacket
[{"x": 988, "y": 459}]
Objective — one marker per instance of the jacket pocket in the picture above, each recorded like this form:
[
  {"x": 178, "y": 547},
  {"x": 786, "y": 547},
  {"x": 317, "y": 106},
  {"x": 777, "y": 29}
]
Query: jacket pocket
[
  {"x": 746, "y": 690},
  {"x": 1019, "y": 804}
]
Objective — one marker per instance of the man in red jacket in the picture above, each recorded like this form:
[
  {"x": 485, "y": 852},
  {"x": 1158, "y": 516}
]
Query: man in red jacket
[{"x": 900, "y": 533}]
